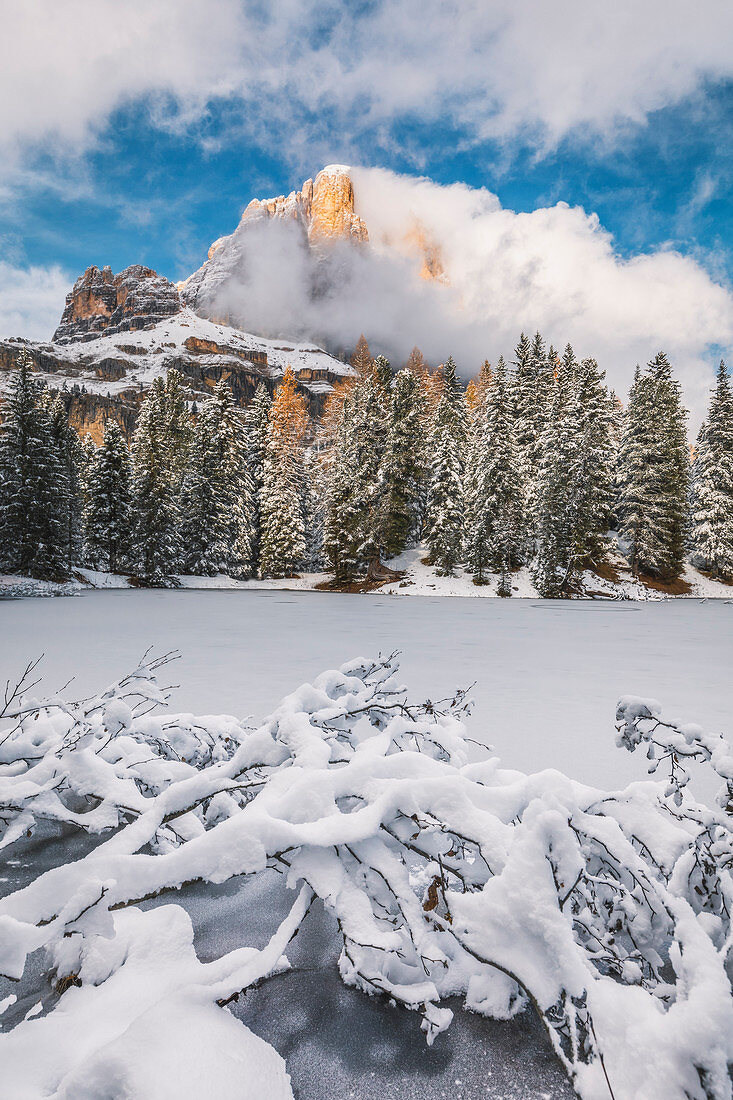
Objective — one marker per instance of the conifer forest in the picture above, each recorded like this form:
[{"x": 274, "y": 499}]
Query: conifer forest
[{"x": 535, "y": 462}]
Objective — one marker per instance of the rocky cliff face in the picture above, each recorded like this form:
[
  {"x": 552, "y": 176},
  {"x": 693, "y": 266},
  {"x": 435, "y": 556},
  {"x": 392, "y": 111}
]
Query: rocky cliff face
[
  {"x": 324, "y": 212},
  {"x": 100, "y": 302},
  {"x": 119, "y": 332},
  {"x": 324, "y": 207}
]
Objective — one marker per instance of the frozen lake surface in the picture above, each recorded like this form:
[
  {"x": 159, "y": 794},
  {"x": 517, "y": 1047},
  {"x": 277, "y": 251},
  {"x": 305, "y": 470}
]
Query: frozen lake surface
[{"x": 548, "y": 676}]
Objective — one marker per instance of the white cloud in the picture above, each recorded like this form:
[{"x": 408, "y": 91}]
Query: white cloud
[
  {"x": 554, "y": 269},
  {"x": 492, "y": 67},
  {"x": 31, "y": 300}
]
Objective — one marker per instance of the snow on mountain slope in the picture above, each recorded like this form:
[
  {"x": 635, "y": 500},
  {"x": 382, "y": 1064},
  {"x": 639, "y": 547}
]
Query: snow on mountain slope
[
  {"x": 142, "y": 356},
  {"x": 114, "y": 371}
]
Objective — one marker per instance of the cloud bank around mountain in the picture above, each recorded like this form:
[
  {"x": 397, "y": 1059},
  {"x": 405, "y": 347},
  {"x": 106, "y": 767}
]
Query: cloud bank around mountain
[{"x": 554, "y": 269}]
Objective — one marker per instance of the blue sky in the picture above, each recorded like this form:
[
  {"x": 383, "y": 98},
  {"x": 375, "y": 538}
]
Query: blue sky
[{"x": 149, "y": 195}]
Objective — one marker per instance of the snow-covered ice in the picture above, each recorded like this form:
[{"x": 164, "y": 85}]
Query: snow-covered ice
[{"x": 548, "y": 674}]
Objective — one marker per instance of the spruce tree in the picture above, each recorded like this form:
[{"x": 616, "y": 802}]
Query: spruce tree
[
  {"x": 88, "y": 454},
  {"x": 314, "y": 513},
  {"x": 283, "y": 544},
  {"x": 655, "y": 474},
  {"x": 558, "y": 504},
  {"x": 403, "y": 464},
  {"x": 493, "y": 497},
  {"x": 159, "y": 457},
  {"x": 70, "y": 480},
  {"x": 33, "y": 533},
  {"x": 354, "y": 535},
  {"x": 597, "y": 461},
  {"x": 383, "y": 373},
  {"x": 447, "y": 459},
  {"x": 533, "y": 394},
  {"x": 343, "y": 505},
  {"x": 217, "y": 493},
  {"x": 107, "y": 512},
  {"x": 258, "y": 428},
  {"x": 711, "y": 536},
  {"x": 574, "y": 489}
]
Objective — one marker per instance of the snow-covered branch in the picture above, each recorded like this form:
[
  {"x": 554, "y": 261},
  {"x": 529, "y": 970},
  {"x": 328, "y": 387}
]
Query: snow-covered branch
[{"x": 446, "y": 874}]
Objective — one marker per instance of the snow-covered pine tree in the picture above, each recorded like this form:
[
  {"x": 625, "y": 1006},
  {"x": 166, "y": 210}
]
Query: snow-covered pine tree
[
  {"x": 493, "y": 503},
  {"x": 403, "y": 464},
  {"x": 655, "y": 474},
  {"x": 159, "y": 456},
  {"x": 629, "y": 460},
  {"x": 107, "y": 512},
  {"x": 574, "y": 493},
  {"x": 258, "y": 428},
  {"x": 431, "y": 389},
  {"x": 203, "y": 532},
  {"x": 353, "y": 533},
  {"x": 71, "y": 472},
  {"x": 597, "y": 461},
  {"x": 314, "y": 513},
  {"x": 33, "y": 534},
  {"x": 217, "y": 493},
  {"x": 558, "y": 487},
  {"x": 88, "y": 454},
  {"x": 177, "y": 426},
  {"x": 616, "y": 414},
  {"x": 533, "y": 394},
  {"x": 239, "y": 494},
  {"x": 383, "y": 373},
  {"x": 283, "y": 545},
  {"x": 448, "y": 446},
  {"x": 711, "y": 536},
  {"x": 342, "y": 504},
  {"x": 525, "y": 395}
]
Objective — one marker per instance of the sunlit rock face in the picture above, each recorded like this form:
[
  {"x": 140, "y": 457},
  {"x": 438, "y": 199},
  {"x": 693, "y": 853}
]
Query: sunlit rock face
[
  {"x": 323, "y": 213},
  {"x": 310, "y": 246},
  {"x": 103, "y": 303},
  {"x": 330, "y": 210},
  {"x": 324, "y": 207}
]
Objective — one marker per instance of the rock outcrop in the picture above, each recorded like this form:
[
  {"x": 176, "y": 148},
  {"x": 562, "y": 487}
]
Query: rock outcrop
[
  {"x": 119, "y": 332},
  {"x": 103, "y": 303},
  {"x": 324, "y": 211},
  {"x": 324, "y": 207},
  {"x": 105, "y": 374}
]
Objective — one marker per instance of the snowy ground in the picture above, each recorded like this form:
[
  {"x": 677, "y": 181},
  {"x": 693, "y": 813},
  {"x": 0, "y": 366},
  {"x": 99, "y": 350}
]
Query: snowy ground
[{"x": 419, "y": 580}]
